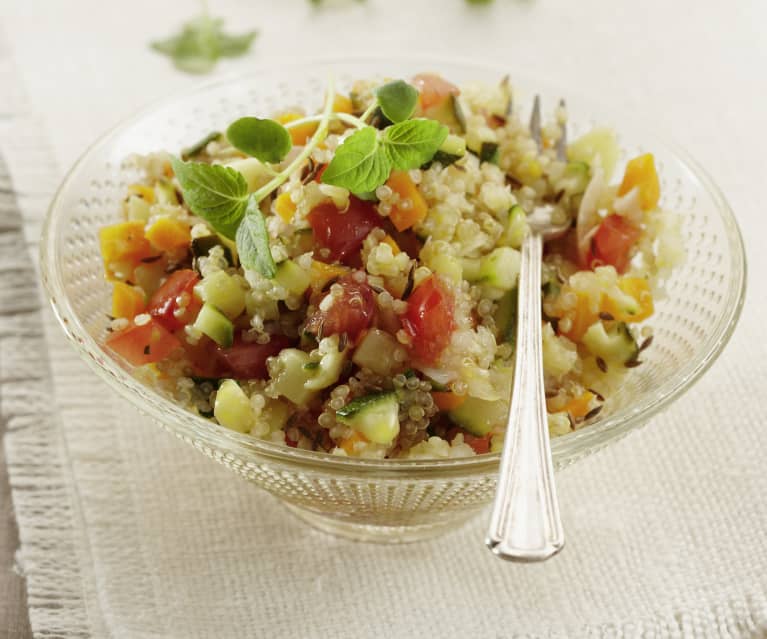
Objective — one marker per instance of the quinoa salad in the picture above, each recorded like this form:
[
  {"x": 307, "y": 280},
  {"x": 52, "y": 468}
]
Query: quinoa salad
[{"x": 345, "y": 280}]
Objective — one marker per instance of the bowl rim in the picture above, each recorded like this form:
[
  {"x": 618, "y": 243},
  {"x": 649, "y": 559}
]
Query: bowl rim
[{"x": 194, "y": 427}]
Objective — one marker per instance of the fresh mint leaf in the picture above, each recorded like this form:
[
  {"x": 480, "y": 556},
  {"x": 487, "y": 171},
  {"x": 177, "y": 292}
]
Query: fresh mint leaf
[
  {"x": 397, "y": 100},
  {"x": 360, "y": 164},
  {"x": 216, "y": 193},
  {"x": 265, "y": 140},
  {"x": 200, "y": 43},
  {"x": 413, "y": 143},
  {"x": 253, "y": 242}
]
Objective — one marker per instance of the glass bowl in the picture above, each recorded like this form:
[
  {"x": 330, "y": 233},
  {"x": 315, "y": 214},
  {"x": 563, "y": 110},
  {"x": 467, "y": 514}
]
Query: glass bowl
[{"x": 387, "y": 500}]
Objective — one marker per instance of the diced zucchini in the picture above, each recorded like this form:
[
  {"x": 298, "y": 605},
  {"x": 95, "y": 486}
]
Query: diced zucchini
[
  {"x": 488, "y": 152},
  {"x": 137, "y": 208},
  {"x": 376, "y": 352},
  {"x": 597, "y": 147},
  {"x": 232, "y": 408},
  {"x": 482, "y": 142},
  {"x": 376, "y": 416},
  {"x": 615, "y": 345},
  {"x": 330, "y": 365},
  {"x": 500, "y": 268},
  {"x": 222, "y": 291},
  {"x": 150, "y": 275},
  {"x": 292, "y": 277},
  {"x": 165, "y": 193},
  {"x": 577, "y": 175},
  {"x": 201, "y": 247},
  {"x": 506, "y": 317},
  {"x": 452, "y": 150},
  {"x": 479, "y": 416},
  {"x": 471, "y": 268},
  {"x": 516, "y": 227},
  {"x": 288, "y": 376},
  {"x": 450, "y": 112},
  {"x": 256, "y": 173},
  {"x": 213, "y": 323}
]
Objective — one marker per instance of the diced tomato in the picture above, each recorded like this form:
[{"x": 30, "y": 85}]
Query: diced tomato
[
  {"x": 430, "y": 320},
  {"x": 481, "y": 445},
  {"x": 433, "y": 89},
  {"x": 247, "y": 360},
  {"x": 144, "y": 344},
  {"x": 613, "y": 241},
  {"x": 163, "y": 304},
  {"x": 318, "y": 174},
  {"x": 342, "y": 233},
  {"x": 351, "y": 313}
]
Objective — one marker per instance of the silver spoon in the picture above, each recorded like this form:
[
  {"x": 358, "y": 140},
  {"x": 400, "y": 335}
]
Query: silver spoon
[{"x": 525, "y": 525}]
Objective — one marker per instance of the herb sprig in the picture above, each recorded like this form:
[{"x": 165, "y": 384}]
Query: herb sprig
[{"x": 362, "y": 163}]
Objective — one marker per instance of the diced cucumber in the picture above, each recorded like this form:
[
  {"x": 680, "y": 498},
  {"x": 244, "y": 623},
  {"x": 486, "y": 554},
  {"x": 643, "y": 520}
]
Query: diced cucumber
[
  {"x": 578, "y": 175},
  {"x": 289, "y": 376},
  {"x": 500, "y": 268},
  {"x": 488, "y": 152},
  {"x": 137, "y": 208},
  {"x": 222, "y": 291},
  {"x": 376, "y": 352},
  {"x": 213, "y": 323},
  {"x": 165, "y": 193},
  {"x": 615, "y": 345},
  {"x": 232, "y": 408},
  {"x": 447, "y": 265},
  {"x": 482, "y": 142},
  {"x": 506, "y": 317},
  {"x": 597, "y": 147},
  {"x": 376, "y": 416},
  {"x": 330, "y": 365},
  {"x": 471, "y": 268},
  {"x": 201, "y": 247},
  {"x": 516, "y": 227},
  {"x": 256, "y": 173},
  {"x": 292, "y": 277},
  {"x": 452, "y": 150},
  {"x": 480, "y": 416}
]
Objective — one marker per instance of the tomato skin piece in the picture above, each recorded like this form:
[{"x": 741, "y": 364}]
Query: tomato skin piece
[
  {"x": 481, "y": 445},
  {"x": 433, "y": 89},
  {"x": 163, "y": 305},
  {"x": 352, "y": 313},
  {"x": 429, "y": 320},
  {"x": 342, "y": 233},
  {"x": 613, "y": 241},
  {"x": 145, "y": 344},
  {"x": 247, "y": 360}
]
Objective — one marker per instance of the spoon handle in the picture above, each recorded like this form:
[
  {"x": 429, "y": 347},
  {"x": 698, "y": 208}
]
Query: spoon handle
[{"x": 525, "y": 524}]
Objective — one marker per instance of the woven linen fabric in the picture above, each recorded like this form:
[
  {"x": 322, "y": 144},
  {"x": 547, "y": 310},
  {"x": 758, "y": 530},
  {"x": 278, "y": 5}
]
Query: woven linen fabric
[{"x": 128, "y": 533}]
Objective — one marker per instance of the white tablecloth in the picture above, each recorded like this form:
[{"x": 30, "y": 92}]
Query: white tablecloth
[{"x": 127, "y": 533}]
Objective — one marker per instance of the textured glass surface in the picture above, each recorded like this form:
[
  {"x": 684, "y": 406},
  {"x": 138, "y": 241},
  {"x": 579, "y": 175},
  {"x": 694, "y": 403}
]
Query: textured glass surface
[{"x": 387, "y": 500}]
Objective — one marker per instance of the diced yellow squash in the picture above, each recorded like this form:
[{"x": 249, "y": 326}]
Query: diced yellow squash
[
  {"x": 342, "y": 104},
  {"x": 403, "y": 218},
  {"x": 322, "y": 273},
  {"x": 640, "y": 172},
  {"x": 348, "y": 444},
  {"x": 124, "y": 242},
  {"x": 167, "y": 234},
  {"x": 639, "y": 289},
  {"x": 579, "y": 406},
  {"x": 127, "y": 301},
  {"x": 143, "y": 191},
  {"x": 301, "y": 133}
]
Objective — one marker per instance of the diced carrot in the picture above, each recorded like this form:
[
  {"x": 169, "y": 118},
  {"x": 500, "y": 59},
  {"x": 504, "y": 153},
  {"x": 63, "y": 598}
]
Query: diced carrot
[
  {"x": 124, "y": 242},
  {"x": 167, "y": 234},
  {"x": 390, "y": 241},
  {"x": 285, "y": 207},
  {"x": 301, "y": 133},
  {"x": 348, "y": 443},
  {"x": 403, "y": 218},
  {"x": 447, "y": 401},
  {"x": 579, "y": 406},
  {"x": 640, "y": 172},
  {"x": 167, "y": 169},
  {"x": 143, "y": 191},
  {"x": 127, "y": 301},
  {"x": 342, "y": 104},
  {"x": 639, "y": 289},
  {"x": 321, "y": 273},
  {"x": 583, "y": 316}
]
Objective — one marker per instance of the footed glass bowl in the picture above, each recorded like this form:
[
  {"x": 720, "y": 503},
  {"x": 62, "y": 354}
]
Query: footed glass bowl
[{"x": 387, "y": 500}]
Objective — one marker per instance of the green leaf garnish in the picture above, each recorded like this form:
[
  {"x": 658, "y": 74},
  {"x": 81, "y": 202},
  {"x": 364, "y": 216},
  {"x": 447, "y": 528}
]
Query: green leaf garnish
[
  {"x": 360, "y": 164},
  {"x": 412, "y": 143},
  {"x": 253, "y": 241},
  {"x": 216, "y": 193},
  {"x": 200, "y": 43},
  {"x": 397, "y": 100},
  {"x": 266, "y": 140}
]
